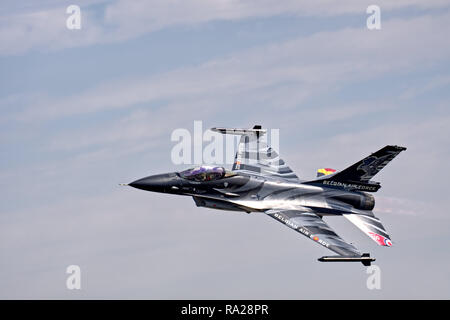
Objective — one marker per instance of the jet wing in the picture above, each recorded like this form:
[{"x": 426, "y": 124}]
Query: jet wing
[
  {"x": 312, "y": 226},
  {"x": 372, "y": 227},
  {"x": 256, "y": 157}
]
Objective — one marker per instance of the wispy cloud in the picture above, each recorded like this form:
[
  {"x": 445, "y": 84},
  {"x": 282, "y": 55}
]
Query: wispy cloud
[
  {"x": 44, "y": 29},
  {"x": 304, "y": 64}
]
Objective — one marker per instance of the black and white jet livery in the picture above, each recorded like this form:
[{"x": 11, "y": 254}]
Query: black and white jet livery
[{"x": 260, "y": 181}]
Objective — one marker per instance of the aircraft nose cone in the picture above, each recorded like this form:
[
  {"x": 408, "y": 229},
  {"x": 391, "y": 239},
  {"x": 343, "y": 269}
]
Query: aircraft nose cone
[{"x": 156, "y": 183}]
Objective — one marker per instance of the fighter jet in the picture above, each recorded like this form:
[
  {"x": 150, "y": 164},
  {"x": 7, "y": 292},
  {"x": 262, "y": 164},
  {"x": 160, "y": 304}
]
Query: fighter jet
[{"x": 260, "y": 181}]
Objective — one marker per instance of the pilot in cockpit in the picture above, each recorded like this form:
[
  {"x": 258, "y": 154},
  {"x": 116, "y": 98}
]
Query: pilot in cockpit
[{"x": 204, "y": 173}]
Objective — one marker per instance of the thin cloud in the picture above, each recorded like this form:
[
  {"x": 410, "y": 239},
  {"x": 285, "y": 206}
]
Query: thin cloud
[
  {"x": 304, "y": 62},
  {"x": 35, "y": 28}
]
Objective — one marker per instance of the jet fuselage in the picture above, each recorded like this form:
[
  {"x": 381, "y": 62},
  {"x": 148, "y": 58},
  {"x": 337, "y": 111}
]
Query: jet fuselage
[{"x": 249, "y": 192}]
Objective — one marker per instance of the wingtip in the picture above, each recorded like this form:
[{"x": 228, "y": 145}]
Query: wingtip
[{"x": 365, "y": 259}]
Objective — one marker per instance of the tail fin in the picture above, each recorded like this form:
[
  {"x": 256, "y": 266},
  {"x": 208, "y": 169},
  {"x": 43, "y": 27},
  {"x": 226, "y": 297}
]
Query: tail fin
[
  {"x": 358, "y": 175},
  {"x": 368, "y": 167}
]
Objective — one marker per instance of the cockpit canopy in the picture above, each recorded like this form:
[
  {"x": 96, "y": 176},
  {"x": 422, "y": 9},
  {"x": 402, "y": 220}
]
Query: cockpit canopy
[{"x": 205, "y": 173}]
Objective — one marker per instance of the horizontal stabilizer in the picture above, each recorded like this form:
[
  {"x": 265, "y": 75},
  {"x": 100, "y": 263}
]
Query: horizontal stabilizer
[
  {"x": 365, "y": 259},
  {"x": 325, "y": 171},
  {"x": 372, "y": 227}
]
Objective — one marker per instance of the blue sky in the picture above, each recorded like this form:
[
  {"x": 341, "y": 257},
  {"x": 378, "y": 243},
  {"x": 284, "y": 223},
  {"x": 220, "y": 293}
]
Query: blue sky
[{"x": 83, "y": 110}]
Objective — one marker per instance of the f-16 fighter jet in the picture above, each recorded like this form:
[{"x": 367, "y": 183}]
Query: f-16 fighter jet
[{"x": 260, "y": 181}]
